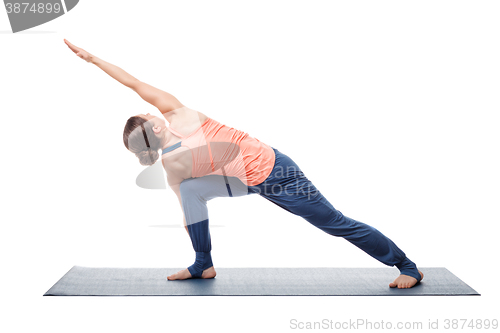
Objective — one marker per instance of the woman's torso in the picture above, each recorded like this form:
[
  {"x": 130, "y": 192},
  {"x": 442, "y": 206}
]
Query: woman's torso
[
  {"x": 209, "y": 147},
  {"x": 178, "y": 163}
]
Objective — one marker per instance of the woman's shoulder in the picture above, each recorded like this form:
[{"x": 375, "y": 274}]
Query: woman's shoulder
[
  {"x": 202, "y": 117},
  {"x": 187, "y": 113}
]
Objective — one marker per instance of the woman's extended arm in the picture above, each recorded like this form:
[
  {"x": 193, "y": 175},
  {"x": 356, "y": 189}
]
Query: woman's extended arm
[{"x": 164, "y": 101}]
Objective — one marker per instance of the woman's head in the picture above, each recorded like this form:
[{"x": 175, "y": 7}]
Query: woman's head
[{"x": 144, "y": 135}]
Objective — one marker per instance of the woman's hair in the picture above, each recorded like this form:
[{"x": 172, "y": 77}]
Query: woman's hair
[{"x": 139, "y": 138}]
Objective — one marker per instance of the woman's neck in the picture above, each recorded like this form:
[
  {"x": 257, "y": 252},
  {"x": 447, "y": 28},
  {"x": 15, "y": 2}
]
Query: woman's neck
[{"x": 165, "y": 140}]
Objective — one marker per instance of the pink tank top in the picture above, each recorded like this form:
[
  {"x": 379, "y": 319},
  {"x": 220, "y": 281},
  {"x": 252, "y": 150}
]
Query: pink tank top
[{"x": 222, "y": 150}]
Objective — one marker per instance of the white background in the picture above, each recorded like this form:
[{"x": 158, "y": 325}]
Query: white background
[{"x": 389, "y": 107}]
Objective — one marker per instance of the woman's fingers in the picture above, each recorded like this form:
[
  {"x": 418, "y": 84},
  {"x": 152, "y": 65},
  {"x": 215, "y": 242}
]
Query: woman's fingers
[
  {"x": 68, "y": 43},
  {"x": 72, "y": 47},
  {"x": 79, "y": 51}
]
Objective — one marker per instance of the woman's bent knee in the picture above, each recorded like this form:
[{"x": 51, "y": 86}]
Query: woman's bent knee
[{"x": 187, "y": 187}]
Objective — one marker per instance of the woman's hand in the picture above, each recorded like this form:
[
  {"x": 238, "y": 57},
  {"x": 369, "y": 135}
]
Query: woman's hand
[{"x": 79, "y": 52}]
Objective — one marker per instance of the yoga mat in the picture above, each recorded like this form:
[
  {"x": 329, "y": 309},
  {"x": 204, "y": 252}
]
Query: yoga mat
[{"x": 320, "y": 281}]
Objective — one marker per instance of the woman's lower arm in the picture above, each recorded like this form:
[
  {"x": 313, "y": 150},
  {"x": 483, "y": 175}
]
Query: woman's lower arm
[{"x": 114, "y": 71}]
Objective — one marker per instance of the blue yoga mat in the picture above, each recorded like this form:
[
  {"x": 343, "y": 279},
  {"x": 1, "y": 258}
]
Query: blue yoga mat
[{"x": 320, "y": 281}]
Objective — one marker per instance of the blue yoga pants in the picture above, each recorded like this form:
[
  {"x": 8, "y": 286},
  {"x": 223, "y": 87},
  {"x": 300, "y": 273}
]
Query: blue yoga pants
[{"x": 288, "y": 188}]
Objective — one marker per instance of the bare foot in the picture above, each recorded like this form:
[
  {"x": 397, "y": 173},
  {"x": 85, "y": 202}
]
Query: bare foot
[
  {"x": 185, "y": 274},
  {"x": 208, "y": 273},
  {"x": 405, "y": 281}
]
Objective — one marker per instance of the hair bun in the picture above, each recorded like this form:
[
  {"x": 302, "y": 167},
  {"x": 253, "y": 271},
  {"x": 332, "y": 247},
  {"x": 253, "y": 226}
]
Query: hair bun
[
  {"x": 148, "y": 157},
  {"x": 138, "y": 135}
]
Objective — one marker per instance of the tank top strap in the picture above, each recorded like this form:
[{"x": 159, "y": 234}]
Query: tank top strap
[{"x": 174, "y": 132}]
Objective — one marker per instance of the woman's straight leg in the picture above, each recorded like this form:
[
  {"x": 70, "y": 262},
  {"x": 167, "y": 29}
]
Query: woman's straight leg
[{"x": 289, "y": 188}]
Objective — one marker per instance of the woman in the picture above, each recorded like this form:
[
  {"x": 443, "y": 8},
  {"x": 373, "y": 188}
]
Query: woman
[{"x": 204, "y": 159}]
